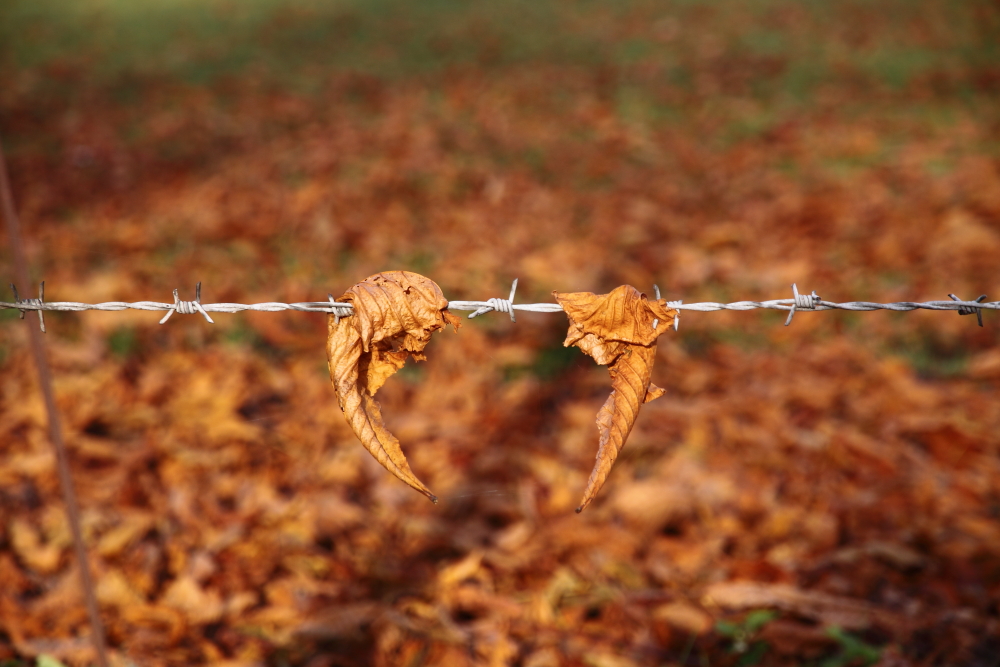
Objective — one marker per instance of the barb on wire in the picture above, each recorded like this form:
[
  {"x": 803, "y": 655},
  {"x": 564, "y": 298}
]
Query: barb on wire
[
  {"x": 497, "y": 304},
  {"x": 676, "y": 305},
  {"x": 672, "y": 304},
  {"x": 35, "y": 302},
  {"x": 188, "y": 307},
  {"x": 338, "y": 310},
  {"x": 503, "y": 305},
  {"x": 656, "y": 320},
  {"x": 807, "y": 301},
  {"x": 963, "y": 310}
]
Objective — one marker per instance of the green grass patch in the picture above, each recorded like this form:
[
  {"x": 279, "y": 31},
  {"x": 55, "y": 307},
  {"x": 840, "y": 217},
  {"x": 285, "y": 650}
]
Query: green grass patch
[
  {"x": 853, "y": 651},
  {"x": 745, "y": 644},
  {"x": 123, "y": 342},
  {"x": 553, "y": 361},
  {"x": 930, "y": 356},
  {"x": 292, "y": 43}
]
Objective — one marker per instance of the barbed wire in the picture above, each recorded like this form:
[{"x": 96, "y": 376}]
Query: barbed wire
[{"x": 797, "y": 303}]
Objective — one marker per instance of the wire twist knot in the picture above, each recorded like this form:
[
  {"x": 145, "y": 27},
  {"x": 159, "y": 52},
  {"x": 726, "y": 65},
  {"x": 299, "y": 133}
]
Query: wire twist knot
[
  {"x": 185, "y": 307},
  {"x": 188, "y": 307},
  {"x": 32, "y": 302},
  {"x": 970, "y": 310},
  {"x": 806, "y": 301},
  {"x": 338, "y": 310},
  {"x": 499, "y": 305}
]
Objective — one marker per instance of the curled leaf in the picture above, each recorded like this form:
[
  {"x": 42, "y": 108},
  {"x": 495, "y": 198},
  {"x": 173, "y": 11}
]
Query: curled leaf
[
  {"x": 617, "y": 330},
  {"x": 395, "y": 313}
]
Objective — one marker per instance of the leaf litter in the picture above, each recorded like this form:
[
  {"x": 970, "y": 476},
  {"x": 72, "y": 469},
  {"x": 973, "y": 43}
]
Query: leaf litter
[{"x": 842, "y": 471}]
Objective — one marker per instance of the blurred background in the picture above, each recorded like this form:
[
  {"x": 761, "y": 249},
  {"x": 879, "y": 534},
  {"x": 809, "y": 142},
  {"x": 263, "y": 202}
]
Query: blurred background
[{"x": 822, "y": 494}]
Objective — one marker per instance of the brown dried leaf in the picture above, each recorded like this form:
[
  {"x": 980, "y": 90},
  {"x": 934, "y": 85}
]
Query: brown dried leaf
[
  {"x": 831, "y": 610},
  {"x": 395, "y": 313},
  {"x": 617, "y": 330},
  {"x": 624, "y": 315}
]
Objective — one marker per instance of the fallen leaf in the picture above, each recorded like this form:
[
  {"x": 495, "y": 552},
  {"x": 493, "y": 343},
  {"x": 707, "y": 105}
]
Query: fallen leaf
[
  {"x": 684, "y": 617},
  {"x": 198, "y": 605},
  {"x": 606, "y": 660},
  {"x": 395, "y": 313},
  {"x": 546, "y": 657},
  {"x": 618, "y": 330},
  {"x": 897, "y": 555},
  {"x": 456, "y": 573},
  {"x": 828, "y": 609},
  {"x": 119, "y": 538},
  {"x": 790, "y": 637},
  {"x": 343, "y": 621},
  {"x": 114, "y": 590},
  {"x": 27, "y": 543}
]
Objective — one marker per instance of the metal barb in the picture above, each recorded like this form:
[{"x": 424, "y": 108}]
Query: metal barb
[
  {"x": 17, "y": 298},
  {"x": 499, "y": 305},
  {"x": 677, "y": 312},
  {"x": 510, "y": 300},
  {"x": 188, "y": 307},
  {"x": 336, "y": 313},
  {"x": 31, "y": 302},
  {"x": 41, "y": 300},
  {"x": 807, "y": 301},
  {"x": 339, "y": 310},
  {"x": 656, "y": 288},
  {"x": 969, "y": 310}
]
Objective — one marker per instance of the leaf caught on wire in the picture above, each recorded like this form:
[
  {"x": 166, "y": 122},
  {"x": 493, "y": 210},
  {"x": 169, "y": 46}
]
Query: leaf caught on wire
[
  {"x": 395, "y": 313},
  {"x": 619, "y": 330}
]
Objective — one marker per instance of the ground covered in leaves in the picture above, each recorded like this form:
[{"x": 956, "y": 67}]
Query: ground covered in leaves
[{"x": 822, "y": 494}]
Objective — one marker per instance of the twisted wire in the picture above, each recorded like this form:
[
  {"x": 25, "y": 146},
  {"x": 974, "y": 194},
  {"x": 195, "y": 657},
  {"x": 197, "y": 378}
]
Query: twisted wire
[
  {"x": 859, "y": 306},
  {"x": 798, "y": 302},
  {"x": 183, "y": 307},
  {"x": 325, "y": 307}
]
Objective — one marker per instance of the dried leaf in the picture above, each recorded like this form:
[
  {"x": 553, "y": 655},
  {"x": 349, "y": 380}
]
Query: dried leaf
[
  {"x": 395, "y": 313},
  {"x": 831, "y": 610},
  {"x": 617, "y": 330},
  {"x": 684, "y": 616}
]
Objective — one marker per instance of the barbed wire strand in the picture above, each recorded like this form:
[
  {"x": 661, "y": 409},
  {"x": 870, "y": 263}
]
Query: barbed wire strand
[{"x": 797, "y": 303}]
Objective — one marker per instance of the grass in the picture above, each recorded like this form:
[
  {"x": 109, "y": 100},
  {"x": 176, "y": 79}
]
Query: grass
[
  {"x": 930, "y": 357},
  {"x": 123, "y": 342},
  {"x": 290, "y": 42},
  {"x": 728, "y": 71}
]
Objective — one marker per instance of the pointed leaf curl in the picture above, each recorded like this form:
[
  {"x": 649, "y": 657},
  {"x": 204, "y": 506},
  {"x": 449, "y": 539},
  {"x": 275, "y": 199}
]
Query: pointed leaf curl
[
  {"x": 616, "y": 329},
  {"x": 395, "y": 313}
]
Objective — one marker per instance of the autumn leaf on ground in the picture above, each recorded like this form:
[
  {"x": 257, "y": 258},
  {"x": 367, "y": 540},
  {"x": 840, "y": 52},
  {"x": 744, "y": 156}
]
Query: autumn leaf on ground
[
  {"x": 395, "y": 313},
  {"x": 618, "y": 330}
]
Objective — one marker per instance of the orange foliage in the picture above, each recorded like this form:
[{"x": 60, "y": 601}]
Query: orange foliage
[{"x": 843, "y": 471}]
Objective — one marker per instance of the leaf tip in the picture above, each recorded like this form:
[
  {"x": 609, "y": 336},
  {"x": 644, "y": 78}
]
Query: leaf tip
[
  {"x": 579, "y": 509},
  {"x": 433, "y": 499}
]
